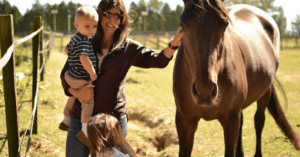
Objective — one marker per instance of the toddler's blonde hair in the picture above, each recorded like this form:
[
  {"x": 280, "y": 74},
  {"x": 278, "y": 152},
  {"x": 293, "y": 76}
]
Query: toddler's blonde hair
[{"x": 86, "y": 12}]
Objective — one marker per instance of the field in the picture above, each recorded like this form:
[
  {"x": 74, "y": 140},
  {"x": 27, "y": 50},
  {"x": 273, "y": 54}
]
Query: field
[{"x": 151, "y": 109}]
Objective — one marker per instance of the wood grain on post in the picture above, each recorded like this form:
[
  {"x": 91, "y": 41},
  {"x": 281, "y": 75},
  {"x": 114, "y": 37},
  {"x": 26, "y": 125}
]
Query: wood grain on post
[
  {"x": 35, "y": 52},
  {"x": 9, "y": 86}
]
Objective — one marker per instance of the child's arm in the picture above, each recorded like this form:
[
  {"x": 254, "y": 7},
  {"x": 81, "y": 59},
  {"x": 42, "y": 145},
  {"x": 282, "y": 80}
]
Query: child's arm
[
  {"x": 88, "y": 66},
  {"x": 66, "y": 50},
  {"x": 127, "y": 149}
]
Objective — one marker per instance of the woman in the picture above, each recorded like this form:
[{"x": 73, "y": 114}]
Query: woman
[{"x": 116, "y": 54}]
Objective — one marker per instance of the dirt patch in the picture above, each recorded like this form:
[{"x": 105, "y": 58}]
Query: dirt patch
[
  {"x": 163, "y": 134},
  {"x": 131, "y": 80}
]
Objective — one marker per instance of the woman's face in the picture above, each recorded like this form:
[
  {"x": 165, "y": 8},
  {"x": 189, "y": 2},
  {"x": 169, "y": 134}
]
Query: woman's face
[{"x": 111, "y": 21}]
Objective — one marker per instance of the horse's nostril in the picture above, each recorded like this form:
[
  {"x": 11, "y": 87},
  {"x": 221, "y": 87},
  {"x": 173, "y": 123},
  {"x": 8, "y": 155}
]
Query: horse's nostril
[
  {"x": 214, "y": 90},
  {"x": 194, "y": 90}
]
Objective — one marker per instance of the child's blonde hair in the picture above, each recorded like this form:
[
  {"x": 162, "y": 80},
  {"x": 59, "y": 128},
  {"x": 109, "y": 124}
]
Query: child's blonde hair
[
  {"x": 86, "y": 12},
  {"x": 99, "y": 131}
]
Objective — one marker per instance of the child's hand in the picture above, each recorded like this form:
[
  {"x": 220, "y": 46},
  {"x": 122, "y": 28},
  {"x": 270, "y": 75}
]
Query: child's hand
[
  {"x": 119, "y": 136},
  {"x": 66, "y": 51},
  {"x": 93, "y": 77}
]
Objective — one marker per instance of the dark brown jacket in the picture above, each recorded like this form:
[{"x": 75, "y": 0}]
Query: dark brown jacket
[{"x": 109, "y": 87}]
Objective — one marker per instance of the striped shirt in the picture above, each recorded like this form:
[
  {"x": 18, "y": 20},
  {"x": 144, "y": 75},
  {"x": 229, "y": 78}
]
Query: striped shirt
[{"x": 80, "y": 45}]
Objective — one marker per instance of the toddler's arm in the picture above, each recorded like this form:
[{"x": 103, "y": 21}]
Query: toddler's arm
[
  {"x": 88, "y": 66},
  {"x": 66, "y": 50}
]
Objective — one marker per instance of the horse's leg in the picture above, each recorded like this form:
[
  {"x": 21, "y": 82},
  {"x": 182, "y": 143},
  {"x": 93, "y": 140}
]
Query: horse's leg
[
  {"x": 259, "y": 119},
  {"x": 231, "y": 127},
  {"x": 239, "y": 149},
  {"x": 186, "y": 129}
]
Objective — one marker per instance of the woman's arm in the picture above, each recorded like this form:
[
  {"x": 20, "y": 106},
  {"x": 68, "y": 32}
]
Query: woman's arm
[
  {"x": 84, "y": 93},
  {"x": 146, "y": 57},
  {"x": 168, "y": 52}
]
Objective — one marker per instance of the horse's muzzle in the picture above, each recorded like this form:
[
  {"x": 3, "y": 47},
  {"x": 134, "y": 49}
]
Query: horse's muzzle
[{"x": 205, "y": 94}]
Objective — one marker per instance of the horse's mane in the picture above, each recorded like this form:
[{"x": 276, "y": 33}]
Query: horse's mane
[{"x": 194, "y": 5}]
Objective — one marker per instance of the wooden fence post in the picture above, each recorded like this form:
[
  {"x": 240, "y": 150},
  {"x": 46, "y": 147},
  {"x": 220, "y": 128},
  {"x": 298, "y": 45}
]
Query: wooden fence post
[
  {"x": 296, "y": 40},
  {"x": 61, "y": 43},
  {"x": 35, "y": 52},
  {"x": 42, "y": 54},
  {"x": 9, "y": 85}
]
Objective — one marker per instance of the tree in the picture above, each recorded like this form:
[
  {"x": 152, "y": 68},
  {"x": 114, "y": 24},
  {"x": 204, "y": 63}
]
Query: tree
[
  {"x": 62, "y": 17},
  {"x": 154, "y": 5},
  {"x": 296, "y": 25},
  {"x": 167, "y": 13},
  {"x": 268, "y": 6},
  {"x": 280, "y": 19},
  {"x": 134, "y": 16},
  {"x": 177, "y": 14},
  {"x": 27, "y": 20},
  {"x": 5, "y": 7}
]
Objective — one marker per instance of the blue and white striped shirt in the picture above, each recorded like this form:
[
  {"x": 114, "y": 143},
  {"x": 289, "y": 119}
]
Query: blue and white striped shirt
[{"x": 80, "y": 45}]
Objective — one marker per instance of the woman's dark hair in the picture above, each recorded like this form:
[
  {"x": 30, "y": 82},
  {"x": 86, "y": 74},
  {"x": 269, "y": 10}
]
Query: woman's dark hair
[{"x": 120, "y": 34}]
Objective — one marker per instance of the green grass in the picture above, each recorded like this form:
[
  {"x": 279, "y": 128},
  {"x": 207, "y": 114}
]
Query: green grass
[
  {"x": 151, "y": 98},
  {"x": 290, "y": 43}
]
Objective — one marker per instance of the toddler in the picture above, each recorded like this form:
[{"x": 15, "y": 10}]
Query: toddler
[
  {"x": 82, "y": 65},
  {"x": 107, "y": 138}
]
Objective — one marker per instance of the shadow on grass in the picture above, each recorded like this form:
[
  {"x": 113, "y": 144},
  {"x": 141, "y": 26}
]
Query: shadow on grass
[
  {"x": 290, "y": 48},
  {"x": 3, "y": 144}
]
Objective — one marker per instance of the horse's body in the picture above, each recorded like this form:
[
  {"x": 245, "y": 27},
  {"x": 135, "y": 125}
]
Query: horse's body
[{"x": 227, "y": 61}]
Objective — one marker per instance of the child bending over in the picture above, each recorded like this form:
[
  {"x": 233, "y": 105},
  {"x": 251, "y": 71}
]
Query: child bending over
[{"x": 107, "y": 138}]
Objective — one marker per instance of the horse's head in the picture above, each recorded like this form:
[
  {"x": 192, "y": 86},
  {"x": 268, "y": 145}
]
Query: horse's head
[{"x": 204, "y": 23}]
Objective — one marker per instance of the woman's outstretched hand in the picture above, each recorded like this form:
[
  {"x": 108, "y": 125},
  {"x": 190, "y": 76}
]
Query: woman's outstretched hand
[
  {"x": 178, "y": 37},
  {"x": 175, "y": 42}
]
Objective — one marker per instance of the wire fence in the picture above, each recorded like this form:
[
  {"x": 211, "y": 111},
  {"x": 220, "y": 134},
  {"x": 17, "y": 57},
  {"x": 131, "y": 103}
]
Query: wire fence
[{"x": 7, "y": 65}]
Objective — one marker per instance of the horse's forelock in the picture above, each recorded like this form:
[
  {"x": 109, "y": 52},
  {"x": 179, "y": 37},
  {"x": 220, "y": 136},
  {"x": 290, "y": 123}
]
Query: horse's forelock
[{"x": 205, "y": 5}]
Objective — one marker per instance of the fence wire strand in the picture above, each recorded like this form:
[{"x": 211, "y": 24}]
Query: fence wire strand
[{"x": 4, "y": 60}]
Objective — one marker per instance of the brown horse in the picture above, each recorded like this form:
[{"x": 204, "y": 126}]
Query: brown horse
[{"x": 227, "y": 60}]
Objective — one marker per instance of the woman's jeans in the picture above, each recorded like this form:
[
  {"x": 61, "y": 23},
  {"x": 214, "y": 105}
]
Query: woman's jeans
[{"x": 74, "y": 148}]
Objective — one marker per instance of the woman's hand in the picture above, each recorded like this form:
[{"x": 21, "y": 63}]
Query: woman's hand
[
  {"x": 168, "y": 52},
  {"x": 178, "y": 37},
  {"x": 85, "y": 93}
]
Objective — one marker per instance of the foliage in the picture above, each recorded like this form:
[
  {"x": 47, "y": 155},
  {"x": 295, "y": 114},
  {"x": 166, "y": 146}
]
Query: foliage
[
  {"x": 296, "y": 25},
  {"x": 160, "y": 14},
  {"x": 268, "y": 6},
  {"x": 280, "y": 19}
]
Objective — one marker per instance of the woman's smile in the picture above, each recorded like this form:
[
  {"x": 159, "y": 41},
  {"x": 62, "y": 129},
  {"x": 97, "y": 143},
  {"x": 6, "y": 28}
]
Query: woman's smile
[{"x": 110, "y": 24}]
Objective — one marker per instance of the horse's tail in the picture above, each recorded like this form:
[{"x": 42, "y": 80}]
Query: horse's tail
[{"x": 278, "y": 115}]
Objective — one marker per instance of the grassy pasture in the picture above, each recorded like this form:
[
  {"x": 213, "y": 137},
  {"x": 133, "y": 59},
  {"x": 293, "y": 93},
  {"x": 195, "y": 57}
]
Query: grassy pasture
[{"x": 151, "y": 110}]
